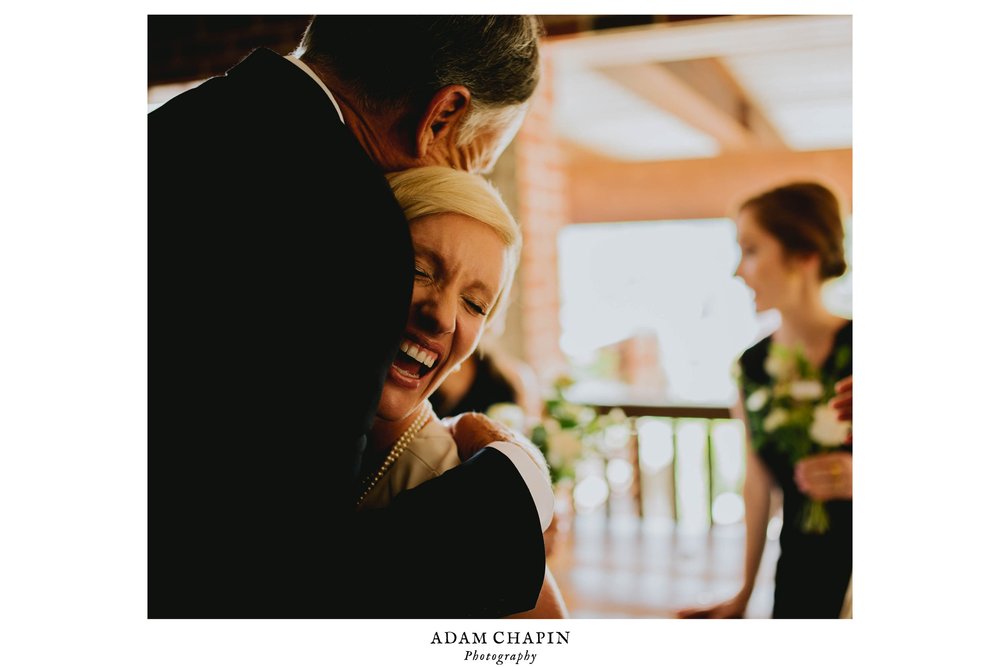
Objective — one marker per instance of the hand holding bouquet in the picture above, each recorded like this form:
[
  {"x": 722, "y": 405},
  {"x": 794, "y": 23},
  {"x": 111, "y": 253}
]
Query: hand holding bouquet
[{"x": 793, "y": 413}]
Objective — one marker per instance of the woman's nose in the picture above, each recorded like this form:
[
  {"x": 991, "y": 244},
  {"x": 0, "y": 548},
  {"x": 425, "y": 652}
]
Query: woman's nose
[{"x": 436, "y": 313}]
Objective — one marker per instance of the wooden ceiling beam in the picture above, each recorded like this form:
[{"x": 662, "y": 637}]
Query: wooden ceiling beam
[
  {"x": 704, "y": 95},
  {"x": 674, "y": 96},
  {"x": 612, "y": 191},
  {"x": 711, "y": 78},
  {"x": 733, "y": 36}
]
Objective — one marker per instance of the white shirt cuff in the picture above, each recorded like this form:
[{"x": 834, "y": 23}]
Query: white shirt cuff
[{"x": 534, "y": 477}]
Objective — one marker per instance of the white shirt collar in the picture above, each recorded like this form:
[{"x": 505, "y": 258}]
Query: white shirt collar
[{"x": 308, "y": 70}]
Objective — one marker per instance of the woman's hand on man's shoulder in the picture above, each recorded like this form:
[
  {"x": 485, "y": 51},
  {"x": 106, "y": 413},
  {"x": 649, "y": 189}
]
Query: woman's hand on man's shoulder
[{"x": 472, "y": 431}]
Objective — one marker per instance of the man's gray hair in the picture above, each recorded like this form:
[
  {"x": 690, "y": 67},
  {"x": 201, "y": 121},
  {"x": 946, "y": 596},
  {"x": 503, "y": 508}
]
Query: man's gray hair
[{"x": 393, "y": 61}]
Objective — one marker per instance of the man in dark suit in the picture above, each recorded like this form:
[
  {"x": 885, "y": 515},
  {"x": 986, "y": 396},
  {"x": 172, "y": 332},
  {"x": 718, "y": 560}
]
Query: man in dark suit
[{"x": 283, "y": 271}]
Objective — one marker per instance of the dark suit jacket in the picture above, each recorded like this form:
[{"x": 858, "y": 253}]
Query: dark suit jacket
[{"x": 281, "y": 281}]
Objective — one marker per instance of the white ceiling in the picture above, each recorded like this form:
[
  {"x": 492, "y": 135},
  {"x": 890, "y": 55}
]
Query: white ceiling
[
  {"x": 795, "y": 70},
  {"x": 597, "y": 113}
]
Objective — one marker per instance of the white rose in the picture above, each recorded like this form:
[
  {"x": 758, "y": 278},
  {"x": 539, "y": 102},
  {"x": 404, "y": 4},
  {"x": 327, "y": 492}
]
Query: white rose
[
  {"x": 566, "y": 445},
  {"x": 508, "y": 414},
  {"x": 775, "y": 419},
  {"x": 617, "y": 416},
  {"x": 826, "y": 429},
  {"x": 756, "y": 400},
  {"x": 779, "y": 366},
  {"x": 568, "y": 412},
  {"x": 806, "y": 390}
]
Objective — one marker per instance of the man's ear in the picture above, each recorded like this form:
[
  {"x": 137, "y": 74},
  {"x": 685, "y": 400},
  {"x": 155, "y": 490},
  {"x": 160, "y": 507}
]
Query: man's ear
[{"x": 439, "y": 123}]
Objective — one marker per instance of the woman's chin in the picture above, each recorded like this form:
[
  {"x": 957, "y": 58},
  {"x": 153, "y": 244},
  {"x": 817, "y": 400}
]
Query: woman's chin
[
  {"x": 398, "y": 405},
  {"x": 393, "y": 413}
]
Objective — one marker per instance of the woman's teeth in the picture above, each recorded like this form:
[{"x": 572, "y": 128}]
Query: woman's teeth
[{"x": 415, "y": 352}]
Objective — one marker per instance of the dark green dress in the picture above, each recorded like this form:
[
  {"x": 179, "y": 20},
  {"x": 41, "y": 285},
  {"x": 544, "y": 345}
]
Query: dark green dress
[{"x": 813, "y": 570}]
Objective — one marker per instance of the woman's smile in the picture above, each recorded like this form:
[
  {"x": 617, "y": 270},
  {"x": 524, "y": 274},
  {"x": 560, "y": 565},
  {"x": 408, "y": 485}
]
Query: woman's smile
[
  {"x": 460, "y": 265},
  {"x": 413, "y": 362}
]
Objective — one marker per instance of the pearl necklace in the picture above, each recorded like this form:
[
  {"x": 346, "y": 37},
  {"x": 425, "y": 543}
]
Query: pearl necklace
[{"x": 397, "y": 449}]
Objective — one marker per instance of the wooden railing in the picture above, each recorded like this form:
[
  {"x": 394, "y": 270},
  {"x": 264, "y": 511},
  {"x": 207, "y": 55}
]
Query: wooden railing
[{"x": 692, "y": 459}]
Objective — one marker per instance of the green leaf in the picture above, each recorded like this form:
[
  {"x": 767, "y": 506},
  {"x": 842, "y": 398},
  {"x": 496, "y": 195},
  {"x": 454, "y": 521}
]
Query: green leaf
[{"x": 842, "y": 359}]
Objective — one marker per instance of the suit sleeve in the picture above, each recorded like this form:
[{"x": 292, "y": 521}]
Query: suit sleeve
[{"x": 464, "y": 545}]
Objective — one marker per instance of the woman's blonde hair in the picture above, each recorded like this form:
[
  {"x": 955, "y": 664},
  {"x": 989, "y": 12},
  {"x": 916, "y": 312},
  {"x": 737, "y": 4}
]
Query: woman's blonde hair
[{"x": 432, "y": 190}]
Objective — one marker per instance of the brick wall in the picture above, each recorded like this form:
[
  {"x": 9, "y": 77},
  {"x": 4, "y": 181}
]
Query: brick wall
[
  {"x": 543, "y": 209},
  {"x": 640, "y": 366}
]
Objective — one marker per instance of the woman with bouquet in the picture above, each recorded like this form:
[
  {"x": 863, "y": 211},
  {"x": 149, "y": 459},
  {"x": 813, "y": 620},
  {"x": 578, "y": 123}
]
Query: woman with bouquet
[{"x": 792, "y": 241}]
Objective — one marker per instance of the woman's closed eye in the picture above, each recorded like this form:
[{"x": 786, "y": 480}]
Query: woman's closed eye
[{"x": 476, "y": 307}]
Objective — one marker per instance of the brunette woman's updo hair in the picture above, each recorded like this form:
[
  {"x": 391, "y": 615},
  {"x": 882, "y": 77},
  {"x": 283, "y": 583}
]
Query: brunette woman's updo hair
[{"x": 805, "y": 218}]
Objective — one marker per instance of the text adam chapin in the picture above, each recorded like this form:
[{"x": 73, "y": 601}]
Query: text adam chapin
[{"x": 501, "y": 638}]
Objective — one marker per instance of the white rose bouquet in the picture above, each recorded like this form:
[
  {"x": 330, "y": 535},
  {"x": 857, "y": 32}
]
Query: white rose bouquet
[{"x": 791, "y": 414}]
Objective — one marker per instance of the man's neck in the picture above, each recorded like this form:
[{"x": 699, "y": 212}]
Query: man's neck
[
  {"x": 315, "y": 77},
  {"x": 375, "y": 132}
]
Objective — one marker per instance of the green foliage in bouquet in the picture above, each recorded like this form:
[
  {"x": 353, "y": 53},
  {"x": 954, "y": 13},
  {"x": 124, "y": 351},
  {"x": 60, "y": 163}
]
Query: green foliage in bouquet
[
  {"x": 793, "y": 414},
  {"x": 570, "y": 431}
]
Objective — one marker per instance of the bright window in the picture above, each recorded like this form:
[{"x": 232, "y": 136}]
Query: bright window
[{"x": 651, "y": 311}]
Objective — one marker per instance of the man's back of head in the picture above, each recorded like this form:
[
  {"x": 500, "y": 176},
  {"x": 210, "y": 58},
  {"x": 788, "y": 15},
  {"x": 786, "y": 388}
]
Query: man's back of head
[
  {"x": 388, "y": 63},
  {"x": 388, "y": 59}
]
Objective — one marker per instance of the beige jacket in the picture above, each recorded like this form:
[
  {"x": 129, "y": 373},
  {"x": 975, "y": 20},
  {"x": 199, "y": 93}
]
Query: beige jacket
[{"x": 431, "y": 453}]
